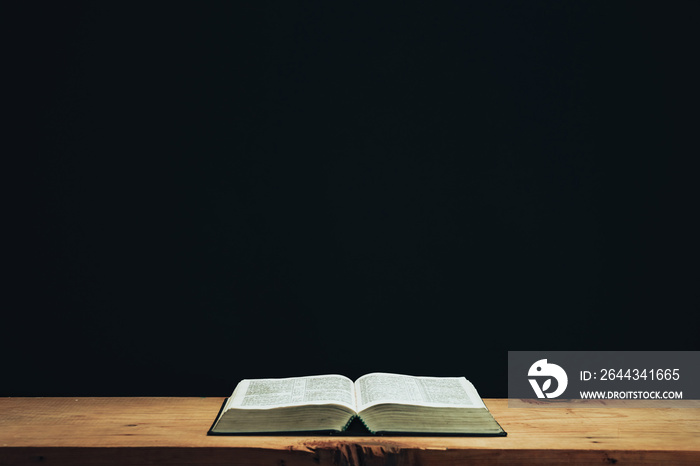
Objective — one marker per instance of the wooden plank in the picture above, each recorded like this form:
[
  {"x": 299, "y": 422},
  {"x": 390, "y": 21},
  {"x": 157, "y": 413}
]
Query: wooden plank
[{"x": 173, "y": 431}]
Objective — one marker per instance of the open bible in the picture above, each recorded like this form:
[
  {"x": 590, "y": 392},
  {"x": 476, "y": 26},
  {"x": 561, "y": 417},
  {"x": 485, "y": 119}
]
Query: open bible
[{"x": 386, "y": 404}]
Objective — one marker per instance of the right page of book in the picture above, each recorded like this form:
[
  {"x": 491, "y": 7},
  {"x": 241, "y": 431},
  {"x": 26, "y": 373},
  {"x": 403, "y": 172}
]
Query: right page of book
[{"x": 448, "y": 392}]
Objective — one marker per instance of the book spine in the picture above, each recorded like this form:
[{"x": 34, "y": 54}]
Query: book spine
[
  {"x": 347, "y": 424},
  {"x": 366, "y": 426}
]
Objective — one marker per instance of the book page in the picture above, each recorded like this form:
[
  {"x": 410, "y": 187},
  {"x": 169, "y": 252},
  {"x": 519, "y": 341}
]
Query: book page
[
  {"x": 450, "y": 392},
  {"x": 293, "y": 391}
]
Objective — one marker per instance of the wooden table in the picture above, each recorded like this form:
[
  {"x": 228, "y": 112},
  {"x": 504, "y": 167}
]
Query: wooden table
[{"x": 101, "y": 431}]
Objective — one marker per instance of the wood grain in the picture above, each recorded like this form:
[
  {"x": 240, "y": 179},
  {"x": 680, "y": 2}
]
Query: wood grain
[{"x": 102, "y": 431}]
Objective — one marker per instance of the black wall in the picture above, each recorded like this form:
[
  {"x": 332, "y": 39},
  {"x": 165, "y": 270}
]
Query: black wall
[{"x": 200, "y": 193}]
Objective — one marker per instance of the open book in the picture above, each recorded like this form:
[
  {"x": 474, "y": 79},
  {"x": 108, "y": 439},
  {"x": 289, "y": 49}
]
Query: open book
[{"x": 384, "y": 403}]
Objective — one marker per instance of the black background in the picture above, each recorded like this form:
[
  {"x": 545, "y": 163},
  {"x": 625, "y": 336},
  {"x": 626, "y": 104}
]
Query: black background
[{"x": 203, "y": 192}]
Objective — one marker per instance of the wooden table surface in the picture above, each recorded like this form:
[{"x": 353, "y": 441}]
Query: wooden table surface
[{"x": 100, "y": 431}]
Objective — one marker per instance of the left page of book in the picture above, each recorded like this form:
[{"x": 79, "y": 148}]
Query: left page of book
[{"x": 293, "y": 391}]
